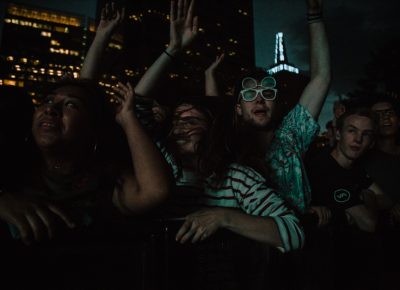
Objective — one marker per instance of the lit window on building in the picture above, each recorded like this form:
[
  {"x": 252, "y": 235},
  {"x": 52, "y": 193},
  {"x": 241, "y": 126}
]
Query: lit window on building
[
  {"x": 43, "y": 15},
  {"x": 10, "y": 82},
  {"x": 10, "y": 58},
  {"x": 54, "y": 42},
  {"x": 45, "y": 34}
]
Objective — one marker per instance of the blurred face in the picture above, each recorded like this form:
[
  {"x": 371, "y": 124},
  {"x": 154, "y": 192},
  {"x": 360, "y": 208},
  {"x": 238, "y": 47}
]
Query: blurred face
[
  {"x": 257, "y": 111},
  {"x": 63, "y": 120},
  {"x": 356, "y": 136},
  {"x": 338, "y": 109},
  {"x": 188, "y": 128},
  {"x": 387, "y": 119},
  {"x": 159, "y": 112}
]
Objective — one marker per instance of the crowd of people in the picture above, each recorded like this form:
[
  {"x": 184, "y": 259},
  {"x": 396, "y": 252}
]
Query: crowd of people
[{"x": 226, "y": 172}]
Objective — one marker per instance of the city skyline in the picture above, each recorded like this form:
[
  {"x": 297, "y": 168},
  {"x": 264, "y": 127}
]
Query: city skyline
[
  {"x": 355, "y": 29},
  {"x": 371, "y": 25}
]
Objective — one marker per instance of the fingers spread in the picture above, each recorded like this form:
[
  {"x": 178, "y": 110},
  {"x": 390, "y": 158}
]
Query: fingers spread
[
  {"x": 37, "y": 226},
  {"x": 183, "y": 229},
  {"x": 25, "y": 230},
  {"x": 61, "y": 214},
  {"x": 198, "y": 235},
  {"x": 48, "y": 221},
  {"x": 180, "y": 9},
  {"x": 172, "y": 11}
]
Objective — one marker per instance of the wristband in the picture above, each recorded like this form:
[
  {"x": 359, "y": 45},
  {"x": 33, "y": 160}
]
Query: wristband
[
  {"x": 170, "y": 56},
  {"x": 314, "y": 17}
]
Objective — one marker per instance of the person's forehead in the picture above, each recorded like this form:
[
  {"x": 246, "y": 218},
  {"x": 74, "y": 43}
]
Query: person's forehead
[
  {"x": 188, "y": 110},
  {"x": 71, "y": 91},
  {"x": 382, "y": 106},
  {"x": 360, "y": 122}
]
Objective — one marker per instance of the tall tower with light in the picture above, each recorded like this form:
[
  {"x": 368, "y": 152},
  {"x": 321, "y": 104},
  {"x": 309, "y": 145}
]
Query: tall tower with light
[
  {"x": 290, "y": 81},
  {"x": 281, "y": 61}
]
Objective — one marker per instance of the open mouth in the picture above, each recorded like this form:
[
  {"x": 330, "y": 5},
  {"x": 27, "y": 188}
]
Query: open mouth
[
  {"x": 181, "y": 141},
  {"x": 49, "y": 125},
  {"x": 355, "y": 148},
  {"x": 260, "y": 112}
]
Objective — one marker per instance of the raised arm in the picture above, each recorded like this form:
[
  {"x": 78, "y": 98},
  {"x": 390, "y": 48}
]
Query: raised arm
[
  {"x": 183, "y": 30},
  {"x": 313, "y": 96},
  {"x": 111, "y": 18},
  {"x": 211, "y": 86},
  {"x": 147, "y": 185}
]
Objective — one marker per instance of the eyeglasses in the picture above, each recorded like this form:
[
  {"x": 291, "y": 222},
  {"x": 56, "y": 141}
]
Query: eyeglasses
[
  {"x": 384, "y": 113},
  {"x": 267, "y": 90}
]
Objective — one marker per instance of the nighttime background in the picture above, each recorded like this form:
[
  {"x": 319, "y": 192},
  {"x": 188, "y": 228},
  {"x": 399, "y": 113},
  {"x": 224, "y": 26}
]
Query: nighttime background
[
  {"x": 364, "y": 37},
  {"x": 356, "y": 30}
]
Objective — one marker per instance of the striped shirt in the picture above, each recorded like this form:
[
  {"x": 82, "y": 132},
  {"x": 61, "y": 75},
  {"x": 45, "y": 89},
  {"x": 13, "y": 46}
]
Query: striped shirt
[{"x": 242, "y": 188}]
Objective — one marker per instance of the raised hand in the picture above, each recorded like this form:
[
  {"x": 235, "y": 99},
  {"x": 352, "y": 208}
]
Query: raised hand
[
  {"x": 183, "y": 26},
  {"x": 200, "y": 225},
  {"x": 126, "y": 100},
  {"x": 111, "y": 18},
  {"x": 35, "y": 220},
  {"x": 213, "y": 67}
]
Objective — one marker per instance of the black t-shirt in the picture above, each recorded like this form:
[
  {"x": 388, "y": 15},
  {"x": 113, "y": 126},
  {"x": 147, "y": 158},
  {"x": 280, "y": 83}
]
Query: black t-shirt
[
  {"x": 384, "y": 169},
  {"x": 334, "y": 186}
]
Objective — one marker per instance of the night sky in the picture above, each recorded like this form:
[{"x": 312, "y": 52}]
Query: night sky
[{"x": 355, "y": 29}]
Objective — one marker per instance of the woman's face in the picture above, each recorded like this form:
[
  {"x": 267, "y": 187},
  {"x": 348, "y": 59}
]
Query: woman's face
[
  {"x": 188, "y": 128},
  {"x": 63, "y": 120}
]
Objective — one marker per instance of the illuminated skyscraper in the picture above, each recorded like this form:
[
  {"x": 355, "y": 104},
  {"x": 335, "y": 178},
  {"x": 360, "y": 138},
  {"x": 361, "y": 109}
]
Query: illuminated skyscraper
[
  {"x": 40, "y": 46},
  {"x": 281, "y": 60},
  {"x": 291, "y": 82}
]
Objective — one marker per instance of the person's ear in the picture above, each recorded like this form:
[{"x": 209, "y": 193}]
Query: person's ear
[
  {"x": 239, "y": 109},
  {"x": 337, "y": 135}
]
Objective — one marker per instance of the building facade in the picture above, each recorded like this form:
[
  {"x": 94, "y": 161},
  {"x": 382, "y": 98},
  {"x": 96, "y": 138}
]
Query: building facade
[{"x": 40, "y": 46}]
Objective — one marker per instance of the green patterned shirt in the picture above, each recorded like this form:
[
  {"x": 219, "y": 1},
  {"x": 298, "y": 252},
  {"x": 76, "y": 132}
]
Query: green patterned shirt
[{"x": 285, "y": 155}]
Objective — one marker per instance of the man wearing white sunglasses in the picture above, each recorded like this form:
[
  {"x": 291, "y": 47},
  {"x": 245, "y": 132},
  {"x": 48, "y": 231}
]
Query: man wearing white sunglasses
[{"x": 284, "y": 146}]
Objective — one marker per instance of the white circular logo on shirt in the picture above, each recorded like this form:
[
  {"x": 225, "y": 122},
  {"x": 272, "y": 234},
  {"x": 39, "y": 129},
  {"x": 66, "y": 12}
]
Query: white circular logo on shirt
[{"x": 341, "y": 195}]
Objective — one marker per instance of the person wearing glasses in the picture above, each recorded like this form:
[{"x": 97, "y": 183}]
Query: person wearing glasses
[
  {"x": 218, "y": 192},
  {"x": 383, "y": 165},
  {"x": 282, "y": 147}
]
